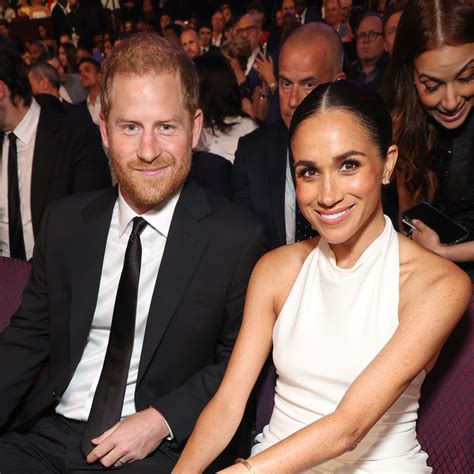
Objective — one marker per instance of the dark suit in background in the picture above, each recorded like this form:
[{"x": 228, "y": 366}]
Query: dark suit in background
[{"x": 258, "y": 178}]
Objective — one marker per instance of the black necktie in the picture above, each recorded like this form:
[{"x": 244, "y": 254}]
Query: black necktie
[
  {"x": 15, "y": 226},
  {"x": 108, "y": 398}
]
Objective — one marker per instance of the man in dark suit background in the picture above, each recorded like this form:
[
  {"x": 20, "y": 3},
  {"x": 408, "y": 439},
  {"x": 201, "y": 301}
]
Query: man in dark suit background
[
  {"x": 53, "y": 156},
  {"x": 262, "y": 173},
  {"x": 175, "y": 325}
]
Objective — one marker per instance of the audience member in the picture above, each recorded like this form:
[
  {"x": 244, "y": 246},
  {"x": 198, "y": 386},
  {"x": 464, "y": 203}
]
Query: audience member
[
  {"x": 333, "y": 17},
  {"x": 345, "y": 315},
  {"x": 288, "y": 7},
  {"x": 90, "y": 75},
  {"x": 71, "y": 89},
  {"x": 52, "y": 157},
  {"x": 7, "y": 13},
  {"x": 390, "y": 23},
  {"x": 190, "y": 42},
  {"x": 226, "y": 12},
  {"x": 67, "y": 54},
  {"x": 305, "y": 14},
  {"x": 217, "y": 22},
  {"x": 61, "y": 20},
  {"x": 44, "y": 79},
  {"x": 219, "y": 97},
  {"x": 23, "y": 9},
  {"x": 262, "y": 175},
  {"x": 39, "y": 10},
  {"x": 36, "y": 49},
  {"x": 372, "y": 59},
  {"x": 147, "y": 367},
  {"x": 432, "y": 70},
  {"x": 205, "y": 35}
]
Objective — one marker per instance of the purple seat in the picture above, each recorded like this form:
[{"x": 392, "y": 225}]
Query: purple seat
[
  {"x": 445, "y": 424},
  {"x": 13, "y": 277}
]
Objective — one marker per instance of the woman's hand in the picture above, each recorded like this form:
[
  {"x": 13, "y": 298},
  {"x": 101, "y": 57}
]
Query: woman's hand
[
  {"x": 427, "y": 237},
  {"x": 264, "y": 67}
]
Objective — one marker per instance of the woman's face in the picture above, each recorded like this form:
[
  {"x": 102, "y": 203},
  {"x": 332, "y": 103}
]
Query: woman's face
[
  {"x": 339, "y": 174},
  {"x": 444, "y": 80},
  {"x": 62, "y": 56}
]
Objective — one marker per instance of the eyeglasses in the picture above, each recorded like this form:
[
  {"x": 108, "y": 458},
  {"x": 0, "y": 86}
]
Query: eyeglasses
[
  {"x": 247, "y": 30},
  {"x": 370, "y": 36}
]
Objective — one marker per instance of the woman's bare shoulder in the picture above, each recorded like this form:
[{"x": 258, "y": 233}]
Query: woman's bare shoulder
[
  {"x": 277, "y": 270},
  {"x": 423, "y": 272}
]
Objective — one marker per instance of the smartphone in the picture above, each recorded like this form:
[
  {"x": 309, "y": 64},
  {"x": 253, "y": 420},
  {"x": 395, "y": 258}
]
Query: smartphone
[
  {"x": 449, "y": 231},
  {"x": 264, "y": 49}
]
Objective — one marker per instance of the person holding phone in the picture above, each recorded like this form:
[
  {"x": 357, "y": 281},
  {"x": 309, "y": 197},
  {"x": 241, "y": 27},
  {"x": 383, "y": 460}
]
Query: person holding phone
[
  {"x": 349, "y": 314},
  {"x": 432, "y": 74}
]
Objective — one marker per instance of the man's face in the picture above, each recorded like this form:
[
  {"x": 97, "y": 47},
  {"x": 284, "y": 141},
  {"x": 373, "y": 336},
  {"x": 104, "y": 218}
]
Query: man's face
[
  {"x": 35, "y": 52},
  {"x": 288, "y": 6},
  {"x": 190, "y": 43},
  {"x": 248, "y": 28},
  {"x": 150, "y": 136},
  {"x": 217, "y": 22},
  {"x": 369, "y": 50},
  {"x": 302, "y": 68},
  {"x": 332, "y": 13},
  {"x": 205, "y": 35},
  {"x": 346, "y": 7},
  {"x": 390, "y": 32},
  {"x": 89, "y": 75}
]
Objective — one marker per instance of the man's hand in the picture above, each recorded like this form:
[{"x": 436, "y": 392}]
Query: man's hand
[{"x": 131, "y": 439}]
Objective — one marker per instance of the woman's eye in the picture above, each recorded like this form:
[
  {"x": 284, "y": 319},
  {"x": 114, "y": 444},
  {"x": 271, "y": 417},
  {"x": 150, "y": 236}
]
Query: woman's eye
[
  {"x": 468, "y": 78},
  {"x": 349, "y": 165},
  {"x": 307, "y": 172},
  {"x": 431, "y": 86}
]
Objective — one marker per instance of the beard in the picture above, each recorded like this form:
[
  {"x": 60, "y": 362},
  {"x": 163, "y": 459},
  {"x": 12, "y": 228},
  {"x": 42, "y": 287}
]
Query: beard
[{"x": 144, "y": 192}]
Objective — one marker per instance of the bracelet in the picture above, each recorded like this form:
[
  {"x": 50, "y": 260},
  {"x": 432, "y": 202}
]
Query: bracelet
[{"x": 246, "y": 464}]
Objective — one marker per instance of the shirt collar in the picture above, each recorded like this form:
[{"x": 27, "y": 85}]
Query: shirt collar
[
  {"x": 25, "y": 131},
  {"x": 159, "y": 217}
]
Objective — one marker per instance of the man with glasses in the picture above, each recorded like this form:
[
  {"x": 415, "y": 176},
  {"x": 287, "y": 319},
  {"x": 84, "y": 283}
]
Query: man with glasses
[{"x": 372, "y": 59}]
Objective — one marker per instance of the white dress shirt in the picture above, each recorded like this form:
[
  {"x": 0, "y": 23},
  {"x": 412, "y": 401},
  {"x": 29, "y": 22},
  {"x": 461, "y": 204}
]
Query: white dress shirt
[
  {"x": 77, "y": 400},
  {"x": 290, "y": 203},
  {"x": 94, "y": 109},
  {"x": 25, "y": 132}
]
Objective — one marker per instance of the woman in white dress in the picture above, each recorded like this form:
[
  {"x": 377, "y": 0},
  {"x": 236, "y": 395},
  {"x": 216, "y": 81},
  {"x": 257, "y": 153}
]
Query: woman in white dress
[{"x": 356, "y": 317}]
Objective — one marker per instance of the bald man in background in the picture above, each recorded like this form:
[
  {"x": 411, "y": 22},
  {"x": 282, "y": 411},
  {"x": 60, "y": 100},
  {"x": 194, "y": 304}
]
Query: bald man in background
[{"x": 262, "y": 174}]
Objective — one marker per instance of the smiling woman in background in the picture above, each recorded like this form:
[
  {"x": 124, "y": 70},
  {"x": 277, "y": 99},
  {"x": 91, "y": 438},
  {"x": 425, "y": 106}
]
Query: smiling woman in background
[
  {"x": 432, "y": 71},
  {"x": 356, "y": 317}
]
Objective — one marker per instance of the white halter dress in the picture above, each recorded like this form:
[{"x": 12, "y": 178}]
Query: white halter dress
[{"x": 334, "y": 322}]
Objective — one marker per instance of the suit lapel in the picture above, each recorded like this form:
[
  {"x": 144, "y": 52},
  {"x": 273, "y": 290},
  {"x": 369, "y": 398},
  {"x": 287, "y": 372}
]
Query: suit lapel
[
  {"x": 88, "y": 255},
  {"x": 276, "y": 164},
  {"x": 186, "y": 242},
  {"x": 45, "y": 155}
]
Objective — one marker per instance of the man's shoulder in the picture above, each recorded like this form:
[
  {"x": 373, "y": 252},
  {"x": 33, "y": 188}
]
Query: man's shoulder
[
  {"x": 261, "y": 135},
  {"x": 221, "y": 212}
]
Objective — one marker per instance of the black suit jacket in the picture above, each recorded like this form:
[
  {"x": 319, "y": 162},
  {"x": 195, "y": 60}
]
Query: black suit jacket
[
  {"x": 194, "y": 317},
  {"x": 68, "y": 158},
  {"x": 258, "y": 178}
]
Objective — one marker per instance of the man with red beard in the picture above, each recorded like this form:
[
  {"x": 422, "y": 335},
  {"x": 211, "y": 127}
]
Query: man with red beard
[{"x": 136, "y": 293}]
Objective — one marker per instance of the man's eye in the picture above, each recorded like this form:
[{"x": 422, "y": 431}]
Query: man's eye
[
  {"x": 130, "y": 128},
  {"x": 311, "y": 84},
  {"x": 166, "y": 127}
]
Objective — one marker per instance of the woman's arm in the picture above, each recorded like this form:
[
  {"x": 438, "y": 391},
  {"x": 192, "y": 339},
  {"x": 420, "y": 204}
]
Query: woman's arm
[
  {"x": 428, "y": 238},
  {"x": 219, "y": 420},
  {"x": 435, "y": 297}
]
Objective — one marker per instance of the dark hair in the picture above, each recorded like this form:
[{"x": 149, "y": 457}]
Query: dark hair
[
  {"x": 365, "y": 105},
  {"x": 92, "y": 61},
  {"x": 71, "y": 55},
  {"x": 425, "y": 25},
  {"x": 14, "y": 74},
  {"x": 218, "y": 91},
  {"x": 394, "y": 7}
]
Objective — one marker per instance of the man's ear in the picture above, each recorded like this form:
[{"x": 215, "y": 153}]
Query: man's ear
[
  {"x": 103, "y": 130},
  {"x": 3, "y": 90},
  {"x": 197, "y": 126}
]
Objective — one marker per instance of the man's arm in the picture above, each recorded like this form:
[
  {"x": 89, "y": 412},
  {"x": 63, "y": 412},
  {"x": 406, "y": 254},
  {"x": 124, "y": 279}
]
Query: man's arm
[
  {"x": 195, "y": 393},
  {"x": 24, "y": 345}
]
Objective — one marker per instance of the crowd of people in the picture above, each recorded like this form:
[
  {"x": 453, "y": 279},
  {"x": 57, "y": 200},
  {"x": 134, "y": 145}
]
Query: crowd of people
[{"x": 266, "y": 155}]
